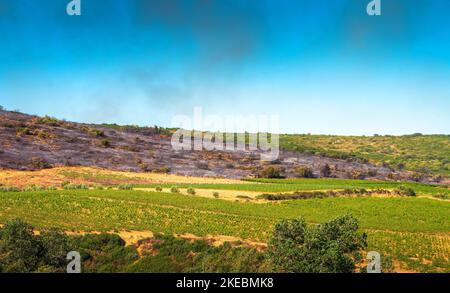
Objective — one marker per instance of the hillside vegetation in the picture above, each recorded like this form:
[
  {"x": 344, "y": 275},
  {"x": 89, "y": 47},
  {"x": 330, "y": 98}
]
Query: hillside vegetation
[{"x": 429, "y": 154}]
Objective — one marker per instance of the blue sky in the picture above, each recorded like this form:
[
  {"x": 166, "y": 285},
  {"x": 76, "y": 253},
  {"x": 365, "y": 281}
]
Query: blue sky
[{"x": 323, "y": 66}]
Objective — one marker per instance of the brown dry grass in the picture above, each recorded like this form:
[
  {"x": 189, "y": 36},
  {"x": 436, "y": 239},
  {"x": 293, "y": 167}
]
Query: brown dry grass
[{"x": 90, "y": 175}]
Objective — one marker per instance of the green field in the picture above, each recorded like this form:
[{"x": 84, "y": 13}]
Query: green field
[
  {"x": 413, "y": 230},
  {"x": 298, "y": 184}
]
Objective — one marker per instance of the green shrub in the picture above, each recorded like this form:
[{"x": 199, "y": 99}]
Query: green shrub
[
  {"x": 442, "y": 196},
  {"x": 21, "y": 251},
  {"x": 9, "y": 189},
  {"x": 71, "y": 186},
  {"x": 64, "y": 183},
  {"x": 216, "y": 194},
  {"x": 405, "y": 190},
  {"x": 332, "y": 247},
  {"x": 174, "y": 189},
  {"x": 158, "y": 188},
  {"x": 125, "y": 187},
  {"x": 191, "y": 191}
]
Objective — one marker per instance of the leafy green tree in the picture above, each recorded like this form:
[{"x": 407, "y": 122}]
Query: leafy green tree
[
  {"x": 22, "y": 251},
  {"x": 54, "y": 248},
  {"x": 332, "y": 247},
  {"x": 19, "y": 249}
]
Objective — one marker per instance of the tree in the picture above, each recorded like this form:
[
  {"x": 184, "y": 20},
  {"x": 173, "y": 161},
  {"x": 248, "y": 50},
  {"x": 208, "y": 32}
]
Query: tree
[
  {"x": 54, "y": 247},
  {"x": 21, "y": 251},
  {"x": 332, "y": 247},
  {"x": 18, "y": 248}
]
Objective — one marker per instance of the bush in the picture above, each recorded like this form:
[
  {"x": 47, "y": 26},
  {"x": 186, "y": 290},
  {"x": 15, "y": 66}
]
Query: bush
[
  {"x": 21, "y": 131},
  {"x": 75, "y": 186},
  {"x": 271, "y": 172},
  {"x": 104, "y": 143},
  {"x": 9, "y": 189},
  {"x": 442, "y": 196},
  {"x": 332, "y": 247},
  {"x": 229, "y": 166},
  {"x": 39, "y": 163},
  {"x": 216, "y": 194},
  {"x": 95, "y": 132},
  {"x": 125, "y": 187},
  {"x": 158, "y": 188},
  {"x": 191, "y": 191},
  {"x": 174, "y": 189},
  {"x": 34, "y": 188},
  {"x": 405, "y": 190},
  {"x": 143, "y": 167},
  {"x": 304, "y": 172},
  {"x": 163, "y": 170},
  {"x": 244, "y": 197},
  {"x": 21, "y": 251},
  {"x": 64, "y": 183},
  {"x": 202, "y": 165},
  {"x": 325, "y": 171}
]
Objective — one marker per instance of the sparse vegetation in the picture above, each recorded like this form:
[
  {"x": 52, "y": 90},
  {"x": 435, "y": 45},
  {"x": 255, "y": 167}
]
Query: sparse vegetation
[{"x": 413, "y": 152}]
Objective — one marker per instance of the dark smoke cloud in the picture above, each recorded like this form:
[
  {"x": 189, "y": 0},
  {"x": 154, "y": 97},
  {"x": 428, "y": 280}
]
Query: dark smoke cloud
[{"x": 225, "y": 32}]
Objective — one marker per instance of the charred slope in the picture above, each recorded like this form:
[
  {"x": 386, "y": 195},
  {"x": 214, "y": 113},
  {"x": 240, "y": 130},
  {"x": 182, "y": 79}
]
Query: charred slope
[{"x": 29, "y": 142}]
